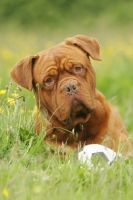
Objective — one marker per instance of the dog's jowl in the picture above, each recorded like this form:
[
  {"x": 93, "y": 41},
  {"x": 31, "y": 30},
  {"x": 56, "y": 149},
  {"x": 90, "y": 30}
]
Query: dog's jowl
[{"x": 64, "y": 84}]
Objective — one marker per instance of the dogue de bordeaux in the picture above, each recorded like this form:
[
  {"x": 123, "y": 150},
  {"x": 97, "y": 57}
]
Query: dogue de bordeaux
[{"x": 64, "y": 84}]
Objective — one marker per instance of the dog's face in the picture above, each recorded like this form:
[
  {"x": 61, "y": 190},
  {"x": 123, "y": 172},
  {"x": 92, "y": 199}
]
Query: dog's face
[{"x": 63, "y": 80}]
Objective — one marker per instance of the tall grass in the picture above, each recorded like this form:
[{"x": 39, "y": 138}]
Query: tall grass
[{"x": 28, "y": 170}]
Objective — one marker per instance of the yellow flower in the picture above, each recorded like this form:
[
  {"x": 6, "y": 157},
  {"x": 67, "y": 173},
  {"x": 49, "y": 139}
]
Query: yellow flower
[
  {"x": 5, "y": 192},
  {"x": 1, "y": 110},
  {"x": 22, "y": 111},
  {"x": 15, "y": 94},
  {"x": 6, "y": 54},
  {"x": 2, "y": 91},
  {"x": 10, "y": 101},
  {"x": 35, "y": 111}
]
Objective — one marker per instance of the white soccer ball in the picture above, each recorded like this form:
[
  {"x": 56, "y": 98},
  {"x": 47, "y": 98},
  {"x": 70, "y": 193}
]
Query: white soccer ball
[{"x": 96, "y": 153}]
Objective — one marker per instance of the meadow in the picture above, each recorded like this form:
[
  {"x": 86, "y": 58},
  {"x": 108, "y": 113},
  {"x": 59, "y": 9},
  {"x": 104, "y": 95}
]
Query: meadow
[{"x": 27, "y": 168}]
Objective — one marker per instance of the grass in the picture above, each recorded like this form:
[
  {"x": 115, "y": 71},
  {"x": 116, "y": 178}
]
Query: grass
[{"x": 27, "y": 168}]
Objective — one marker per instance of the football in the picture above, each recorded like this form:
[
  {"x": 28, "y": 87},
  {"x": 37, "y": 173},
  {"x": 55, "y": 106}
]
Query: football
[{"x": 96, "y": 154}]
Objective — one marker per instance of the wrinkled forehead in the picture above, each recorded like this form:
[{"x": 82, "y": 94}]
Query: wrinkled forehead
[
  {"x": 58, "y": 58},
  {"x": 60, "y": 54}
]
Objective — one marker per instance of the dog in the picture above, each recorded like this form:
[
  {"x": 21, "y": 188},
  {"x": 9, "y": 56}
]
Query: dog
[{"x": 64, "y": 84}]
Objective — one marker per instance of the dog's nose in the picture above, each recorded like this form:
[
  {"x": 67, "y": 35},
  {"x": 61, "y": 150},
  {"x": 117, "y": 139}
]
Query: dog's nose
[{"x": 70, "y": 87}]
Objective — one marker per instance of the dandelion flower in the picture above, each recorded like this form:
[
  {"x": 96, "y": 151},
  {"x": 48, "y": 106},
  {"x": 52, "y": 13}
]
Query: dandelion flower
[
  {"x": 1, "y": 110},
  {"x": 34, "y": 111},
  {"x": 22, "y": 111},
  {"x": 15, "y": 94},
  {"x": 6, "y": 54},
  {"x": 10, "y": 101},
  {"x": 2, "y": 92},
  {"x": 5, "y": 192}
]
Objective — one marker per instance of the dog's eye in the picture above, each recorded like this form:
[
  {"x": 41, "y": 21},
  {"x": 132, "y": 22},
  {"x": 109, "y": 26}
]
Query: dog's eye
[
  {"x": 78, "y": 69},
  {"x": 49, "y": 81}
]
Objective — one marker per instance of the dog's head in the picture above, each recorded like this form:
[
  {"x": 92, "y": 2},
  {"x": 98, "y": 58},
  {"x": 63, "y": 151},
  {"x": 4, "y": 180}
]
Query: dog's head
[{"x": 63, "y": 80}]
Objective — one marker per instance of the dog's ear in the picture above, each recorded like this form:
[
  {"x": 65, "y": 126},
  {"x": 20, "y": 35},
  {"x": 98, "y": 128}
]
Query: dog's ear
[
  {"x": 22, "y": 71},
  {"x": 87, "y": 44}
]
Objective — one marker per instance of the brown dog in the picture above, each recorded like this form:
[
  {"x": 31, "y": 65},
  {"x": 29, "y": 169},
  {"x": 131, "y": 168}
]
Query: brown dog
[{"x": 63, "y": 81}]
